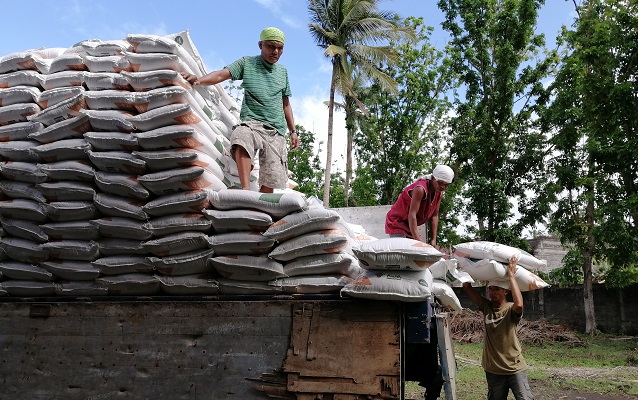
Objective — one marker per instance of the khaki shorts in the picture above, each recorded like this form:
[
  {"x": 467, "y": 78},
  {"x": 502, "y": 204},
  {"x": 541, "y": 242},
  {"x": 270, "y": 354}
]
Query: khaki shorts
[{"x": 254, "y": 136}]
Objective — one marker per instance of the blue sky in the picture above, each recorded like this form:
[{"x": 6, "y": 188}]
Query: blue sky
[{"x": 222, "y": 31}]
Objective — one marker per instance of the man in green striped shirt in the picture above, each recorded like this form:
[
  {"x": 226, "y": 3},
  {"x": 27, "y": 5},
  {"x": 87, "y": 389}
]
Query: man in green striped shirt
[{"x": 266, "y": 113}]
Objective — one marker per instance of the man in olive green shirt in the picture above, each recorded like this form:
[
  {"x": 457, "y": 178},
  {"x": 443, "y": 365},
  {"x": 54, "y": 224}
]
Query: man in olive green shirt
[
  {"x": 265, "y": 114},
  {"x": 503, "y": 361}
]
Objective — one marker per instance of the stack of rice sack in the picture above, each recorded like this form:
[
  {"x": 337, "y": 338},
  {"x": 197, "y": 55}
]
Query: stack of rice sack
[
  {"x": 445, "y": 274},
  {"x": 487, "y": 261},
  {"x": 108, "y": 157},
  {"x": 395, "y": 269},
  {"x": 276, "y": 243}
]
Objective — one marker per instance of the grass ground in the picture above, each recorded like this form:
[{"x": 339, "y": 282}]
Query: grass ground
[{"x": 602, "y": 367}]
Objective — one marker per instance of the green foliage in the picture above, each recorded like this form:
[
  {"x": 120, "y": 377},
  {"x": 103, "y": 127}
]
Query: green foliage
[
  {"x": 495, "y": 54},
  {"x": 347, "y": 31}
]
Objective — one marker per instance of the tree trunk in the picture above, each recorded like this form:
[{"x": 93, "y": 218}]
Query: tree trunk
[
  {"x": 588, "y": 293},
  {"x": 331, "y": 107},
  {"x": 346, "y": 187}
]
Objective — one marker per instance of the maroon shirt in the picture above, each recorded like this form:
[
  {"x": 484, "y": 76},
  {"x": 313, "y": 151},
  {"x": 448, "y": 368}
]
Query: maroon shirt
[{"x": 396, "y": 221}]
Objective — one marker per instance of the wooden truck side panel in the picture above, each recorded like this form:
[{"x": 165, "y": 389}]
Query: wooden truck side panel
[{"x": 209, "y": 349}]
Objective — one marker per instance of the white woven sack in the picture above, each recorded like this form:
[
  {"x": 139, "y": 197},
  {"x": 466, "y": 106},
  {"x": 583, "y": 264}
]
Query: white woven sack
[
  {"x": 19, "y": 131},
  {"x": 143, "y": 81},
  {"x": 20, "y": 78},
  {"x": 23, "y": 209},
  {"x": 99, "y": 48},
  {"x": 24, "y": 271},
  {"x": 238, "y": 220},
  {"x": 230, "y": 286},
  {"x": 160, "y": 97},
  {"x": 71, "y": 270},
  {"x": 18, "y": 61},
  {"x": 111, "y": 99},
  {"x": 180, "y": 179},
  {"x": 106, "y": 81},
  {"x": 447, "y": 271},
  {"x": 123, "y": 185},
  {"x": 72, "y": 128},
  {"x": 192, "y": 262},
  {"x": 130, "y": 284},
  {"x": 24, "y": 229},
  {"x": 334, "y": 263},
  {"x": 21, "y": 190},
  {"x": 277, "y": 205},
  {"x": 115, "y": 206},
  {"x": 61, "y": 150},
  {"x": 176, "y": 203},
  {"x": 498, "y": 252},
  {"x": 66, "y": 190},
  {"x": 396, "y": 253},
  {"x": 176, "y": 243},
  {"x": 66, "y": 109},
  {"x": 407, "y": 286},
  {"x": 189, "y": 285},
  {"x": 78, "y": 170},
  {"x": 116, "y": 63},
  {"x": 446, "y": 295},
  {"x": 22, "y": 172},
  {"x": 121, "y": 247},
  {"x": 110, "y": 120},
  {"x": 124, "y": 264},
  {"x": 162, "y": 160},
  {"x": 321, "y": 242},
  {"x": 247, "y": 268},
  {"x": 21, "y": 288},
  {"x": 174, "y": 223},
  {"x": 63, "y": 79},
  {"x": 18, "y": 113},
  {"x": 20, "y": 150},
  {"x": 51, "y": 97},
  {"x": 63, "y": 62},
  {"x": 241, "y": 243},
  {"x": 302, "y": 222},
  {"x": 488, "y": 270},
  {"x": 117, "y": 162},
  {"x": 312, "y": 284},
  {"x": 112, "y": 141},
  {"x": 81, "y": 288},
  {"x": 120, "y": 227},
  {"x": 71, "y": 230},
  {"x": 19, "y": 94}
]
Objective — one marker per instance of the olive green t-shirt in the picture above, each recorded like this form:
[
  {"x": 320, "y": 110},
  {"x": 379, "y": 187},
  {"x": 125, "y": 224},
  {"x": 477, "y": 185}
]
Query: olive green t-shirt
[
  {"x": 502, "y": 354},
  {"x": 265, "y": 85}
]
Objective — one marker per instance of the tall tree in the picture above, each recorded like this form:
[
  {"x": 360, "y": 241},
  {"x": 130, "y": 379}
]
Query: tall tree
[
  {"x": 404, "y": 135},
  {"x": 348, "y": 31},
  {"x": 593, "y": 114},
  {"x": 494, "y": 50}
]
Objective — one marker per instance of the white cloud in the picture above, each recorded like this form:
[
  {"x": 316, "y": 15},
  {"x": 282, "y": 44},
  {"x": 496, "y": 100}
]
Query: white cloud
[
  {"x": 311, "y": 112},
  {"x": 277, "y": 8}
]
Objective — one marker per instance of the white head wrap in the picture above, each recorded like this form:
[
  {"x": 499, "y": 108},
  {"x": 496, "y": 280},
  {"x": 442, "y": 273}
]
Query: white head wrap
[
  {"x": 501, "y": 284},
  {"x": 443, "y": 173}
]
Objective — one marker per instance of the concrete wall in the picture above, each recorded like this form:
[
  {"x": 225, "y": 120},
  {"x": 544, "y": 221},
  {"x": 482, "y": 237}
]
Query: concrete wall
[{"x": 616, "y": 309}]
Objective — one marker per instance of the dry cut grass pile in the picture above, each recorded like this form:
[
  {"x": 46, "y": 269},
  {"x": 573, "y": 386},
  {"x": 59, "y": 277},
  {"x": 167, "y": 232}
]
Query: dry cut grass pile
[{"x": 467, "y": 327}]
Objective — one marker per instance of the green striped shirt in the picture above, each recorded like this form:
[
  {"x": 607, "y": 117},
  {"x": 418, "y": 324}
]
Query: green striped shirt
[{"x": 264, "y": 86}]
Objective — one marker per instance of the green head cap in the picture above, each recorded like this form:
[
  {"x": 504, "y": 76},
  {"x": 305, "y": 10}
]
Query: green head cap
[{"x": 272, "y": 34}]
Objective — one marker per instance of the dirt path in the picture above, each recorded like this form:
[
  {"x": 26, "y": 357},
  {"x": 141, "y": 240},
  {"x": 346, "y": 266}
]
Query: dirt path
[{"x": 621, "y": 377}]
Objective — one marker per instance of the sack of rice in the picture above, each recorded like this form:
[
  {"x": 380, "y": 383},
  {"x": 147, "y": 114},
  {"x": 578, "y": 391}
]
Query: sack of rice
[
  {"x": 396, "y": 253},
  {"x": 123, "y": 185},
  {"x": 19, "y": 131},
  {"x": 24, "y": 271},
  {"x": 192, "y": 201},
  {"x": 168, "y": 224},
  {"x": 112, "y": 141},
  {"x": 71, "y": 270},
  {"x": 238, "y": 243},
  {"x": 498, "y": 252},
  {"x": 81, "y": 288},
  {"x": 66, "y": 190},
  {"x": 238, "y": 220},
  {"x": 189, "y": 285},
  {"x": 21, "y": 190},
  {"x": 446, "y": 295},
  {"x": 447, "y": 271},
  {"x": 130, "y": 284},
  {"x": 247, "y": 268},
  {"x": 122, "y": 264},
  {"x": 230, "y": 286},
  {"x": 71, "y": 230},
  {"x": 302, "y": 222},
  {"x": 321, "y": 264},
  {"x": 61, "y": 211},
  {"x": 400, "y": 285},
  {"x": 20, "y": 288},
  {"x": 322, "y": 242},
  {"x": 318, "y": 284},
  {"x": 115, "y": 206},
  {"x": 121, "y": 247},
  {"x": 24, "y": 229},
  {"x": 176, "y": 243},
  {"x": 123, "y": 228},
  {"x": 71, "y": 128},
  {"x": 192, "y": 262},
  {"x": 277, "y": 205},
  {"x": 79, "y": 250}
]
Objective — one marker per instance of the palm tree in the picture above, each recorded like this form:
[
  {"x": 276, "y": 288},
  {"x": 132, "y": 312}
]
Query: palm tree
[{"x": 347, "y": 31}]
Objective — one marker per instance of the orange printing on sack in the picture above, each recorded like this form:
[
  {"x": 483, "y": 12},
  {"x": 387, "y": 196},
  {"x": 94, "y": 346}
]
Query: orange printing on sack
[
  {"x": 189, "y": 119},
  {"x": 188, "y": 142},
  {"x": 198, "y": 183}
]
